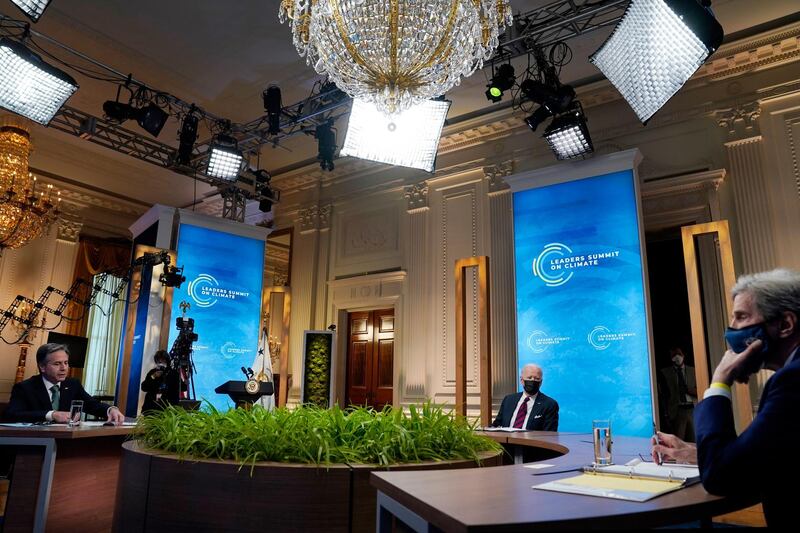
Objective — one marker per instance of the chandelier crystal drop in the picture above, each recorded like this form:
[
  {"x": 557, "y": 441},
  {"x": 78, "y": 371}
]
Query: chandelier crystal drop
[
  {"x": 25, "y": 213},
  {"x": 396, "y": 53}
]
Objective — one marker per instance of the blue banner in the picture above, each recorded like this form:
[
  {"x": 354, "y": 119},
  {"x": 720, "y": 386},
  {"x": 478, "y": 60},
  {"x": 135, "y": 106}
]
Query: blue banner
[
  {"x": 223, "y": 285},
  {"x": 580, "y": 299}
]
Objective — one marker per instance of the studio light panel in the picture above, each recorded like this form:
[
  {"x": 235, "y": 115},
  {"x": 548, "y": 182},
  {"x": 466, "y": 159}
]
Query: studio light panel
[
  {"x": 569, "y": 139},
  {"x": 224, "y": 164},
  {"x": 32, "y": 8},
  {"x": 655, "y": 49},
  {"x": 29, "y": 86},
  {"x": 408, "y": 139}
]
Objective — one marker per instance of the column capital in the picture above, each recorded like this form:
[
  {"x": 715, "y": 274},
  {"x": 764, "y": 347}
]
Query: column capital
[
  {"x": 325, "y": 212},
  {"x": 416, "y": 196},
  {"x": 740, "y": 121},
  {"x": 308, "y": 219},
  {"x": 69, "y": 230},
  {"x": 495, "y": 174}
]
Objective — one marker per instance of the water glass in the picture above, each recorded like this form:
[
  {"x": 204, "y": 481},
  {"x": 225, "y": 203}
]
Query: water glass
[
  {"x": 75, "y": 412},
  {"x": 601, "y": 433}
]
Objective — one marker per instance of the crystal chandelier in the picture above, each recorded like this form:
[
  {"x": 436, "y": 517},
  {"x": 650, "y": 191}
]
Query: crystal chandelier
[
  {"x": 396, "y": 53},
  {"x": 25, "y": 213}
]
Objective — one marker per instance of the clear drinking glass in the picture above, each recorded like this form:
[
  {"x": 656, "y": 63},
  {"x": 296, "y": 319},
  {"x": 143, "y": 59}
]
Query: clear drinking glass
[
  {"x": 75, "y": 412},
  {"x": 601, "y": 434}
]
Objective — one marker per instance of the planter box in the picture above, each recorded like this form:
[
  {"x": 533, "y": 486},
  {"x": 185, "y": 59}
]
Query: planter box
[{"x": 161, "y": 492}]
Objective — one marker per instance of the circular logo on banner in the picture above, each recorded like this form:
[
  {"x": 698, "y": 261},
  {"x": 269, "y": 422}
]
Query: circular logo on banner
[
  {"x": 556, "y": 277},
  {"x": 598, "y": 337},
  {"x": 534, "y": 341},
  {"x": 200, "y": 290}
]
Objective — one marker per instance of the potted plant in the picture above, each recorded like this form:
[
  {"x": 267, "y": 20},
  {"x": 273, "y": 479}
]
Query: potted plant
[{"x": 252, "y": 469}]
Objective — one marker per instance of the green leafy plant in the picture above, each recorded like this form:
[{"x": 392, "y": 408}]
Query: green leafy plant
[
  {"x": 317, "y": 369},
  {"x": 312, "y": 435}
]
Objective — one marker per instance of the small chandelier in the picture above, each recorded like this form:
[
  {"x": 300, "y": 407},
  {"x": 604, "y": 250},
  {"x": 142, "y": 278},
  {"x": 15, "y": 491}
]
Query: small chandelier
[
  {"x": 25, "y": 213},
  {"x": 396, "y": 53}
]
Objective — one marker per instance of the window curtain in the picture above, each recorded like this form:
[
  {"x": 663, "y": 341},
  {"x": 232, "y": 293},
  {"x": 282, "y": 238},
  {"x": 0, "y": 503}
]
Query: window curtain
[
  {"x": 104, "y": 329},
  {"x": 95, "y": 256}
]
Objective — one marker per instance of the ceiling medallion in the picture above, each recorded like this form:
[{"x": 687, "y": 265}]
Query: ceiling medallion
[{"x": 396, "y": 53}]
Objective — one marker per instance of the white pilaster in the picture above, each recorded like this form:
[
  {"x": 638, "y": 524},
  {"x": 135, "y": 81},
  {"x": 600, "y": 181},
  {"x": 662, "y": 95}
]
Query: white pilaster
[
  {"x": 419, "y": 284},
  {"x": 754, "y": 220},
  {"x": 503, "y": 312}
]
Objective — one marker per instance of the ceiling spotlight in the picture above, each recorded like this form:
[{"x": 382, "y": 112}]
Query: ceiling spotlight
[
  {"x": 656, "y": 48},
  {"x": 224, "y": 159},
  {"x": 186, "y": 139},
  {"x": 568, "y": 135},
  {"x": 33, "y": 9},
  {"x": 29, "y": 86},
  {"x": 556, "y": 97},
  {"x": 326, "y": 141},
  {"x": 408, "y": 139},
  {"x": 540, "y": 115},
  {"x": 272, "y": 105},
  {"x": 502, "y": 80},
  {"x": 151, "y": 118},
  {"x": 267, "y": 194}
]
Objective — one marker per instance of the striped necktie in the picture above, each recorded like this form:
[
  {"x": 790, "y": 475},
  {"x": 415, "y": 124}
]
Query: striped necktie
[
  {"x": 55, "y": 396},
  {"x": 523, "y": 410}
]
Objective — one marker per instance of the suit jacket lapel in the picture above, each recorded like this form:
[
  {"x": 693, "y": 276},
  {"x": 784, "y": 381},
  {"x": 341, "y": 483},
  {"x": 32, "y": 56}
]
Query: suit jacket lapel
[
  {"x": 535, "y": 410},
  {"x": 42, "y": 394}
]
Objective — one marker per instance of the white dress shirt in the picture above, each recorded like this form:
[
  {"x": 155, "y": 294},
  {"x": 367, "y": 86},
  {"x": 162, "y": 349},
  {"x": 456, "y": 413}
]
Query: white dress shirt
[{"x": 531, "y": 401}]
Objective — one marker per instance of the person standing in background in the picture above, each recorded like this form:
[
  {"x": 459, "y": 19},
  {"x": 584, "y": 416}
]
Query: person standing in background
[{"x": 681, "y": 395}]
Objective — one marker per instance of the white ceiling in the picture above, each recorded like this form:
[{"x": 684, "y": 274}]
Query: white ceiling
[{"x": 221, "y": 55}]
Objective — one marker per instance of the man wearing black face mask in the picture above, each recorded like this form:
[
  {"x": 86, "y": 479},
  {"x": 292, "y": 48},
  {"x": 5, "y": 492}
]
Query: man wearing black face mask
[
  {"x": 681, "y": 389},
  {"x": 530, "y": 409},
  {"x": 764, "y": 330}
]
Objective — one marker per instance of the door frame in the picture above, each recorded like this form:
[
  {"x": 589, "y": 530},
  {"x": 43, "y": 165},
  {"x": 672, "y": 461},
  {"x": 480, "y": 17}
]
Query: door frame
[{"x": 367, "y": 293}]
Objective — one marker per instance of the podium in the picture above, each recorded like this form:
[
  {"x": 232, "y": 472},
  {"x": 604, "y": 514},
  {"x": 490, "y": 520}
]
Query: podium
[{"x": 242, "y": 398}]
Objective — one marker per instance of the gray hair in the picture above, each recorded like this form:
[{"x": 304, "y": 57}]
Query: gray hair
[
  {"x": 773, "y": 292},
  {"x": 46, "y": 349}
]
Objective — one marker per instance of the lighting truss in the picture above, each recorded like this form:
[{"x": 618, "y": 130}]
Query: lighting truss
[
  {"x": 29, "y": 86},
  {"x": 408, "y": 139},
  {"x": 655, "y": 50},
  {"x": 568, "y": 136},
  {"x": 33, "y": 9},
  {"x": 558, "y": 21}
]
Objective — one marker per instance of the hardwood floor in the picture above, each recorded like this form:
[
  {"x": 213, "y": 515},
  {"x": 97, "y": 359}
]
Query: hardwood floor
[{"x": 750, "y": 517}]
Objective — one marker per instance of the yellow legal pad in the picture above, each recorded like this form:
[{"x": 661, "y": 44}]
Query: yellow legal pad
[{"x": 612, "y": 486}]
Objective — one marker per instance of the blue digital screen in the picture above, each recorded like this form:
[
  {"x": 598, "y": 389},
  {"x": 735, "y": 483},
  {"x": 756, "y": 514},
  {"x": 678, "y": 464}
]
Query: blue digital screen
[
  {"x": 581, "y": 302},
  {"x": 223, "y": 286}
]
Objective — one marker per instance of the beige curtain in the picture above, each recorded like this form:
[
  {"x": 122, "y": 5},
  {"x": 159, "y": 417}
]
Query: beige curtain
[{"x": 104, "y": 329}]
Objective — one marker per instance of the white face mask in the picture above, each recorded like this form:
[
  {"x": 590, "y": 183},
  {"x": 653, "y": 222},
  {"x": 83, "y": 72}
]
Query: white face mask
[{"x": 677, "y": 360}]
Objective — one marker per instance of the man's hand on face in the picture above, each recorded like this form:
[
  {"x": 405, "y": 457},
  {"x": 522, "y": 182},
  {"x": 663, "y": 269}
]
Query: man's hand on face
[
  {"x": 738, "y": 366},
  {"x": 60, "y": 417}
]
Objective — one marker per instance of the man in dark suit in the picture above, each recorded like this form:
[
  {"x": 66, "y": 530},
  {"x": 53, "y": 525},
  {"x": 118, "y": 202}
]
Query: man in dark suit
[
  {"x": 48, "y": 395},
  {"x": 764, "y": 330},
  {"x": 530, "y": 409},
  {"x": 681, "y": 395}
]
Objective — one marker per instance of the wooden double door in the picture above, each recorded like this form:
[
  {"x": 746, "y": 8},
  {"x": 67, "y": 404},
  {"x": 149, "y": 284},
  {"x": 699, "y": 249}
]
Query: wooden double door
[{"x": 370, "y": 358}]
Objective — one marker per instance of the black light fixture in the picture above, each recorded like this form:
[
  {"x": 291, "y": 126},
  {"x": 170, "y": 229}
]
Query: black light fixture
[
  {"x": 263, "y": 189},
  {"x": 656, "y": 47},
  {"x": 224, "y": 158},
  {"x": 502, "y": 80},
  {"x": 151, "y": 118},
  {"x": 326, "y": 142},
  {"x": 568, "y": 135},
  {"x": 187, "y": 138},
  {"x": 29, "y": 86},
  {"x": 33, "y": 9},
  {"x": 272, "y": 105}
]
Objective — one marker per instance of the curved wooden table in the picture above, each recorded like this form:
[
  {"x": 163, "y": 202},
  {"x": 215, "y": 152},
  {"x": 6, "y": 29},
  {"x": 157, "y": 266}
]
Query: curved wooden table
[{"x": 501, "y": 498}]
